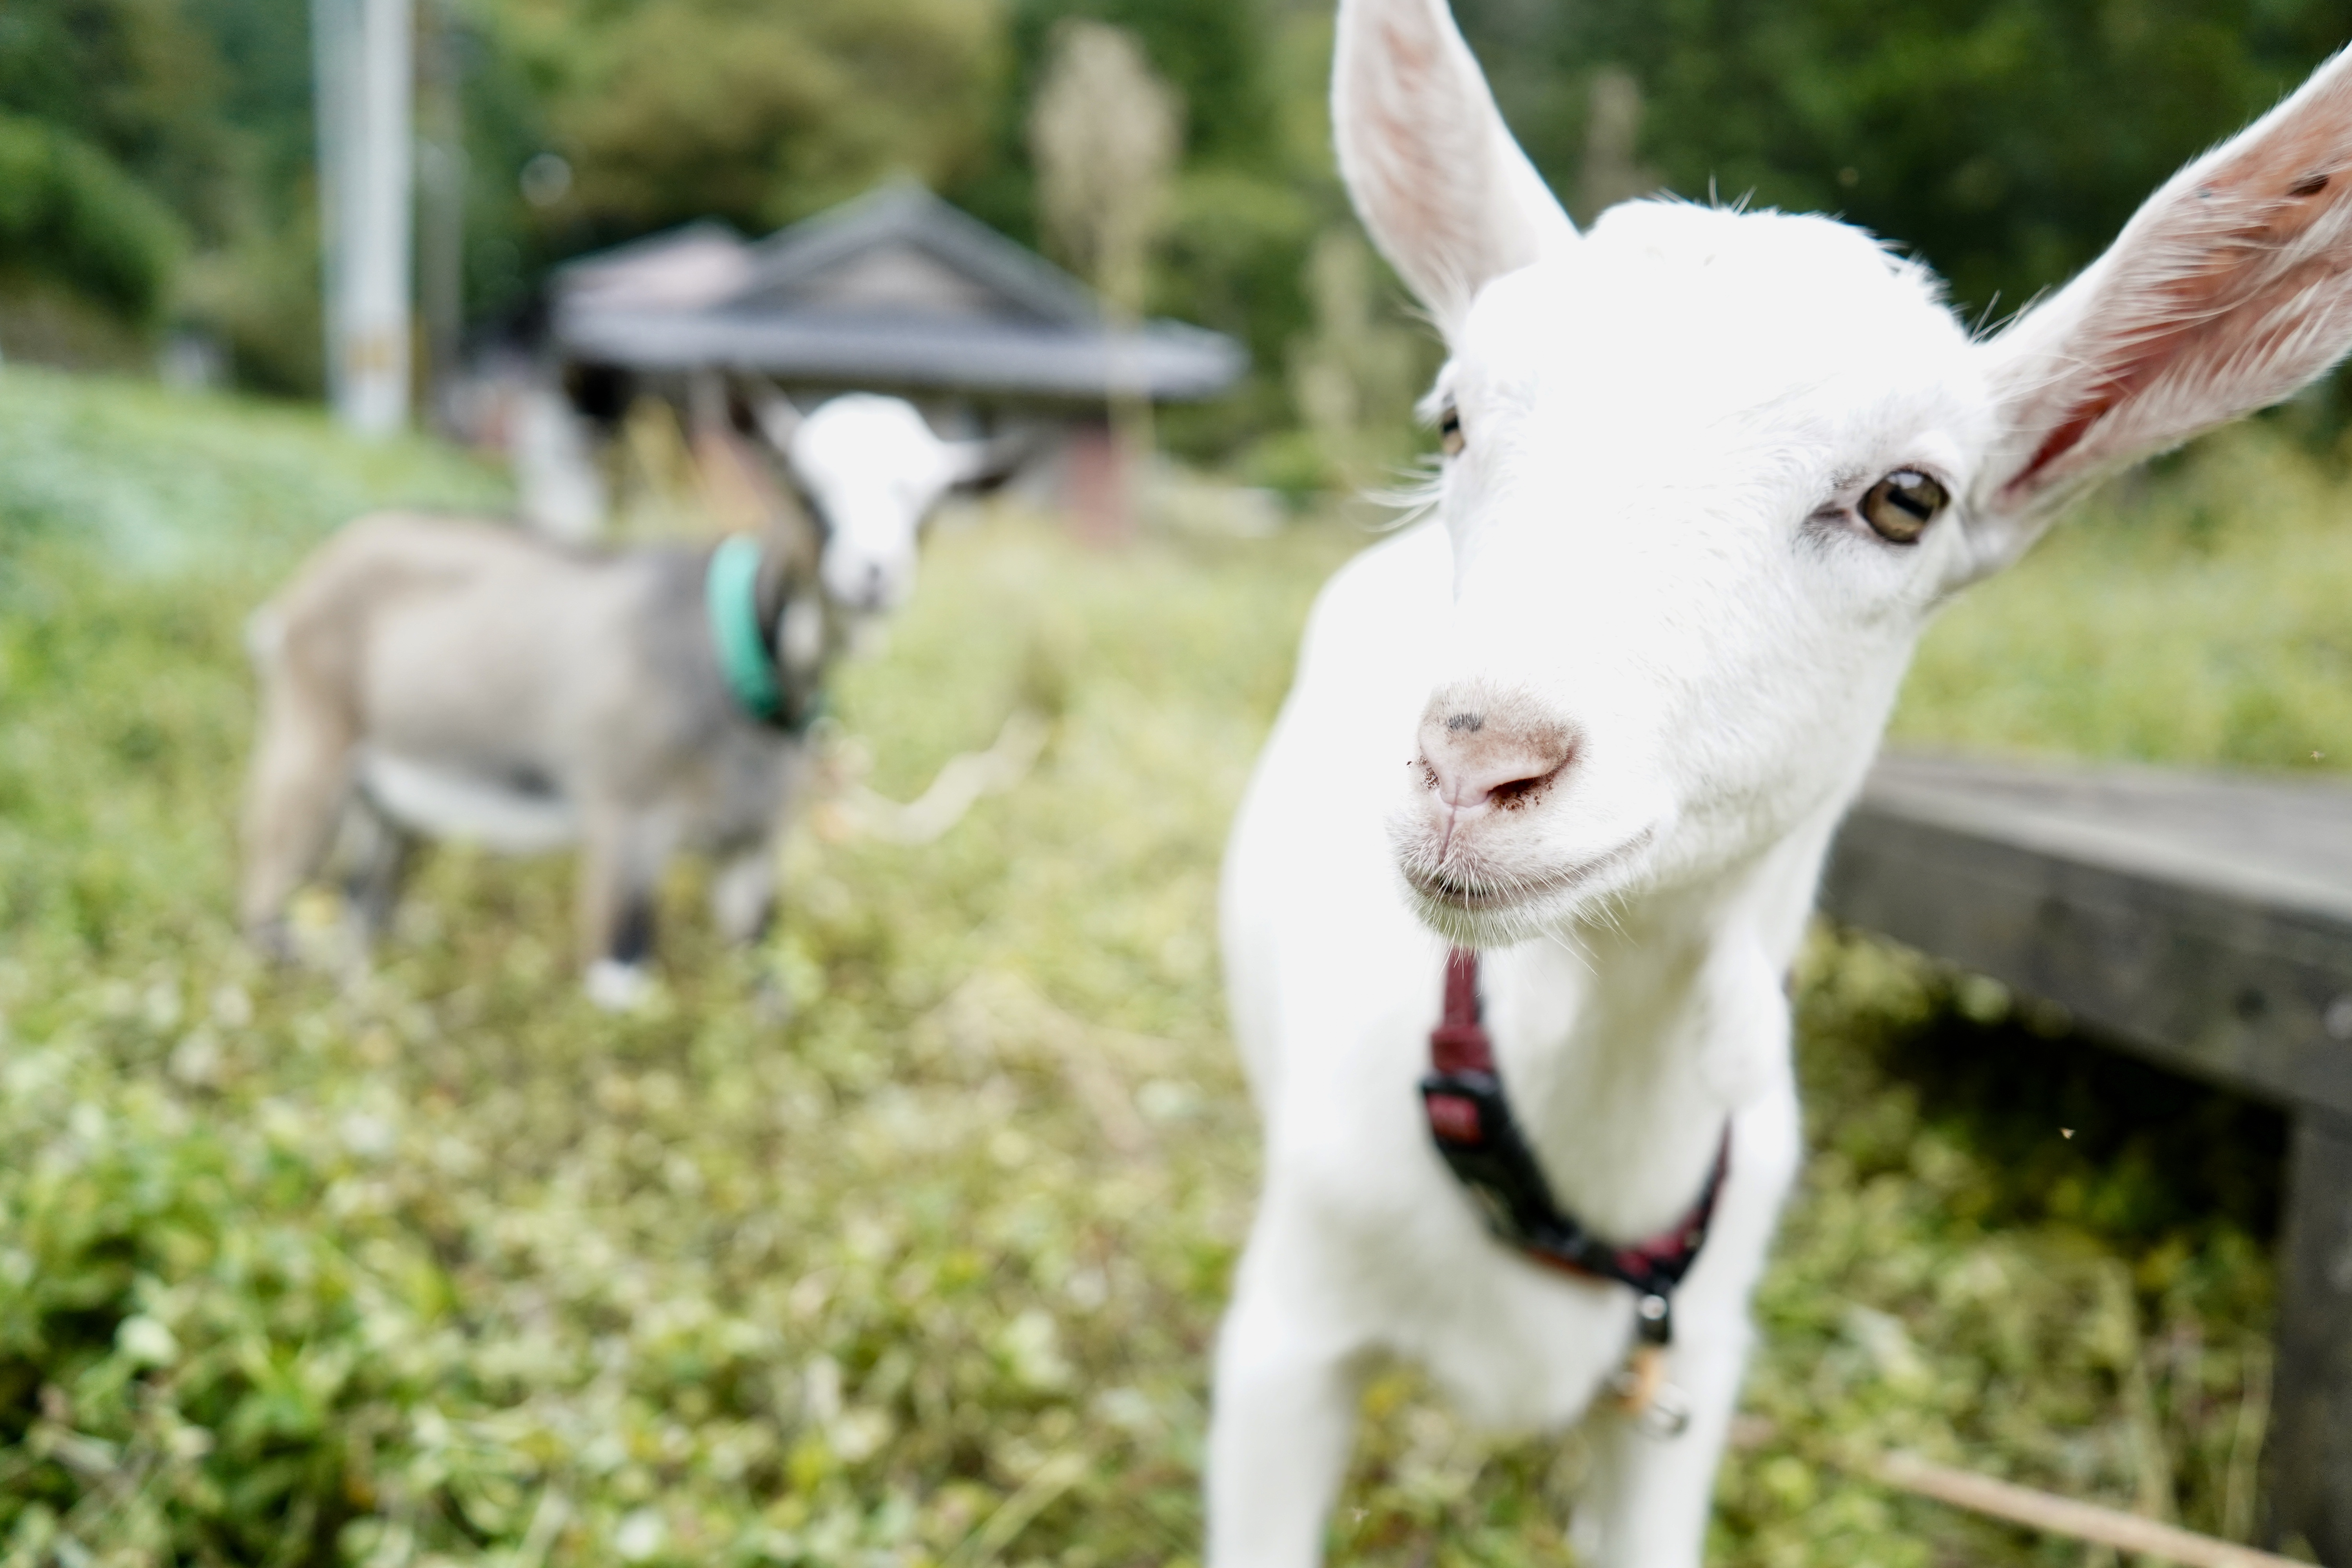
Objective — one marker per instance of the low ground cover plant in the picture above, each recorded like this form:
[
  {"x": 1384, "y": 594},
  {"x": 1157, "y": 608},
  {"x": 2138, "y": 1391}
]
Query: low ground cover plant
[{"x": 902, "y": 1239}]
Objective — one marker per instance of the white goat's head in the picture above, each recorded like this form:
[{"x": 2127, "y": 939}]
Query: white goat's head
[
  {"x": 874, "y": 471},
  {"x": 1709, "y": 472}
]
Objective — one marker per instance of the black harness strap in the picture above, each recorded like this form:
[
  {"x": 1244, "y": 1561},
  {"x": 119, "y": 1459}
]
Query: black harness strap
[{"x": 1470, "y": 1121}]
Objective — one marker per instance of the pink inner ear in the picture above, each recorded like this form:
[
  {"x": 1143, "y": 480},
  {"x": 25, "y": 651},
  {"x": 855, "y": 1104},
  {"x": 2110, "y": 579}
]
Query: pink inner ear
[
  {"x": 2231, "y": 305},
  {"x": 1413, "y": 173}
]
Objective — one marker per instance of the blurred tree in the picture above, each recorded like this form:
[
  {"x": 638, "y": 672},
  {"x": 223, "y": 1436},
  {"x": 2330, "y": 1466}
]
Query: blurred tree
[
  {"x": 111, "y": 144},
  {"x": 673, "y": 109},
  {"x": 1211, "y": 51},
  {"x": 1354, "y": 377},
  {"x": 1237, "y": 252},
  {"x": 1105, "y": 133},
  {"x": 2006, "y": 140},
  {"x": 262, "y": 54},
  {"x": 1611, "y": 170},
  {"x": 1235, "y": 258},
  {"x": 253, "y": 285},
  {"x": 70, "y": 214},
  {"x": 136, "y": 80},
  {"x": 1253, "y": 191}
]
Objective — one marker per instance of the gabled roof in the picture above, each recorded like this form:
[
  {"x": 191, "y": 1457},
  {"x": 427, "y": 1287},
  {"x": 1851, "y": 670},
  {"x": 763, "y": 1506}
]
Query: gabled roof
[
  {"x": 679, "y": 268},
  {"x": 907, "y": 221},
  {"x": 1164, "y": 360},
  {"x": 897, "y": 288}
]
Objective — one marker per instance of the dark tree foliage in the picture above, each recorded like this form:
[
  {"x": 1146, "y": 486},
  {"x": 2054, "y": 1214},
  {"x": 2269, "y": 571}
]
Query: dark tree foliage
[
  {"x": 1243, "y": 216},
  {"x": 2006, "y": 141},
  {"x": 673, "y": 110},
  {"x": 263, "y": 48},
  {"x": 1213, "y": 52},
  {"x": 1210, "y": 51},
  {"x": 69, "y": 214},
  {"x": 135, "y": 80},
  {"x": 109, "y": 125}
]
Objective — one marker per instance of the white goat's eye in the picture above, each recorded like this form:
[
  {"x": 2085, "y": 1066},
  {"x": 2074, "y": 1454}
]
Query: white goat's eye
[
  {"x": 1449, "y": 432},
  {"x": 1899, "y": 507}
]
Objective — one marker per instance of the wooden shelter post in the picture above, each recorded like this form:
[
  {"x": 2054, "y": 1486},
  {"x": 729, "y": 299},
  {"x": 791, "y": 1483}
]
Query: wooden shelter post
[{"x": 2311, "y": 1427}]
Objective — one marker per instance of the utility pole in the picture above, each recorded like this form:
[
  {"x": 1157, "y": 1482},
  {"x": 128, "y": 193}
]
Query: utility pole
[{"x": 366, "y": 81}]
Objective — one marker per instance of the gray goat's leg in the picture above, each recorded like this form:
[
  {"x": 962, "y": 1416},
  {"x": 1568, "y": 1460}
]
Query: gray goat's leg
[
  {"x": 294, "y": 800},
  {"x": 379, "y": 854},
  {"x": 621, "y": 863},
  {"x": 743, "y": 894}
]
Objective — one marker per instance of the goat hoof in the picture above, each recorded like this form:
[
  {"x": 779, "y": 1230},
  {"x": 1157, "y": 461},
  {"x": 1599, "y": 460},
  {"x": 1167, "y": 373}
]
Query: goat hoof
[{"x": 618, "y": 987}]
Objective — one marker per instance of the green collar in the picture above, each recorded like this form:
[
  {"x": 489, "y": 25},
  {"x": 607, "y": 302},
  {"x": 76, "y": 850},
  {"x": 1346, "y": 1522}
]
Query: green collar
[{"x": 732, "y": 593}]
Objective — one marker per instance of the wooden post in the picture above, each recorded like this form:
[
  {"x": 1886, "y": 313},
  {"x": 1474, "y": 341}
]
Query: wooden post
[
  {"x": 1101, "y": 484},
  {"x": 2311, "y": 1430}
]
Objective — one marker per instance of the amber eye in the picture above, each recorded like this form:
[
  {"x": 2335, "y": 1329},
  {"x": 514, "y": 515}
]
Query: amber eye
[
  {"x": 1449, "y": 432},
  {"x": 1900, "y": 507}
]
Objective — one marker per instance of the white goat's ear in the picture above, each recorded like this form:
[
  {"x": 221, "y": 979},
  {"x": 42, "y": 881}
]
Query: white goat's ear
[
  {"x": 1448, "y": 197},
  {"x": 2228, "y": 291},
  {"x": 985, "y": 464},
  {"x": 971, "y": 462},
  {"x": 777, "y": 415}
]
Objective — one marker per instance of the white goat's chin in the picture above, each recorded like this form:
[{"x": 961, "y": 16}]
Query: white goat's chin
[{"x": 1475, "y": 904}]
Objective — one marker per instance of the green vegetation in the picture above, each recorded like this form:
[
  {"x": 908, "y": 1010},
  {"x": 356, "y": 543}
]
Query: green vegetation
[
  {"x": 904, "y": 1237},
  {"x": 2193, "y": 613},
  {"x": 2006, "y": 142},
  {"x": 680, "y": 109},
  {"x": 69, "y": 211}
]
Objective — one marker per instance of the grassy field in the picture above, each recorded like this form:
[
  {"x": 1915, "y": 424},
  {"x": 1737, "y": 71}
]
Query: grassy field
[
  {"x": 901, "y": 1240},
  {"x": 2196, "y": 612}
]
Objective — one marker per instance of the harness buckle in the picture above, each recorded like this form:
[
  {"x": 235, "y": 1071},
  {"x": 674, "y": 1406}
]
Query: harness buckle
[
  {"x": 1640, "y": 1391},
  {"x": 1653, "y": 1319}
]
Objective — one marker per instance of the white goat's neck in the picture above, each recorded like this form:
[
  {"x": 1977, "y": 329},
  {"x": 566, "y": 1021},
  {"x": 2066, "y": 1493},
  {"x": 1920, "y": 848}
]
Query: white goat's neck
[{"x": 1628, "y": 1041}]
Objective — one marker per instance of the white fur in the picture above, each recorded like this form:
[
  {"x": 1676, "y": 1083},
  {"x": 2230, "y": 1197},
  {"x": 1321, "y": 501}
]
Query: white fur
[
  {"x": 618, "y": 987},
  {"x": 876, "y": 471},
  {"x": 441, "y": 803},
  {"x": 1650, "y": 546}
]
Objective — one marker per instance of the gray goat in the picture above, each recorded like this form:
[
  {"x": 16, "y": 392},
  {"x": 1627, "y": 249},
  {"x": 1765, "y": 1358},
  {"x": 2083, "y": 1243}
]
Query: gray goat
[{"x": 430, "y": 676}]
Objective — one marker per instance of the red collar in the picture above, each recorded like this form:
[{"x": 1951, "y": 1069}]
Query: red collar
[{"x": 1470, "y": 1121}]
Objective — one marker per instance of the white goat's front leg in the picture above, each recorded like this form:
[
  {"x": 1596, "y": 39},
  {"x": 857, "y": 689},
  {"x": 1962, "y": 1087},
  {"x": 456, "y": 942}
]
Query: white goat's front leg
[
  {"x": 1647, "y": 1500},
  {"x": 1647, "y": 1503},
  {"x": 1284, "y": 1412}
]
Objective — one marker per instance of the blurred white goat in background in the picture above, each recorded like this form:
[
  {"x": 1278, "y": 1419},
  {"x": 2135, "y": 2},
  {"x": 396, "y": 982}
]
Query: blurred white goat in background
[{"x": 873, "y": 470}]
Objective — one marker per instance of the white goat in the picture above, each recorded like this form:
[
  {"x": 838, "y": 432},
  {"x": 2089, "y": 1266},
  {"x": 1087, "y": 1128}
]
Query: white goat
[
  {"x": 873, "y": 470},
  {"x": 450, "y": 677},
  {"x": 1708, "y": 475}
]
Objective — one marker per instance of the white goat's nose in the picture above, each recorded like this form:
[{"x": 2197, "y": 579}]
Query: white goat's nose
[{"x": 1483, "y": 747}]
